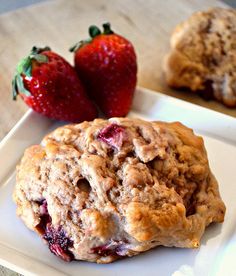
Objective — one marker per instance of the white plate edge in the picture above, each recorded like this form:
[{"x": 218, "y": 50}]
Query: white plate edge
[
  {"x": 23, "y": 264},
  {"x": 225, "y": 122}
]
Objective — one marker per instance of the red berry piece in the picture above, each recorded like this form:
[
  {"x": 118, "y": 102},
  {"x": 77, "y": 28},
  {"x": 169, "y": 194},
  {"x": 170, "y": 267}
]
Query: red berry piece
[
  {"x": 114, "y": 135},
  {"x": 58, "y": 242}
]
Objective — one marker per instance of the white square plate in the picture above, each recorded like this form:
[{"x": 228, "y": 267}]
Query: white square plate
[{"x": 23, "y": 251}]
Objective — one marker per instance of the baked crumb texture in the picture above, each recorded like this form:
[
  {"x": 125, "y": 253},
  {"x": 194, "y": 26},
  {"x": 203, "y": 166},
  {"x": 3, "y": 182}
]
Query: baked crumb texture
[
  {"x": 103, "y": 190},
  {"x": 203, "y": 55}
]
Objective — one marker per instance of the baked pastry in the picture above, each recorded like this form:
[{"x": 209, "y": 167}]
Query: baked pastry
[
  {"x": 203, "y": 55},
  {"x": 102, "y": 190}
]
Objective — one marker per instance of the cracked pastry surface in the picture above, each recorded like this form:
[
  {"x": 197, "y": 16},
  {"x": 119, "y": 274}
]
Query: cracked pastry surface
[
  {"x": 106, "y": 189},
  {"x": 203, "y": 55}
]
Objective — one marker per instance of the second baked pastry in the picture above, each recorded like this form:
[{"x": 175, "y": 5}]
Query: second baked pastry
[{"x": 203, "y": 55}]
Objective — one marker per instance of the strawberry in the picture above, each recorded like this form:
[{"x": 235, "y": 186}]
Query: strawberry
[
  {"x": 107, "y": 65},
  {"x": 50, "y": 86}
]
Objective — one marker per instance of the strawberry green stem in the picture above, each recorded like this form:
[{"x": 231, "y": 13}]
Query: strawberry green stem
[
  {"x": 107, "y": 28},
  {"x": 93, "y": 32}
]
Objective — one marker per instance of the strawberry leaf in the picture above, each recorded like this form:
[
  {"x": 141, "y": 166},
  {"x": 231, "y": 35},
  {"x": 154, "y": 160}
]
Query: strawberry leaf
[
  {"x": 37, "y": 50},
  {"x": 39, "y": 58},
  {"x": 75, "y": 47},
  {"x": 27, "y": 71},
  {"x": 79, "y": 45},
  {"x": 20, "y": 86},
  {"x": 14, "y": 89},
  {"x": 24, "y": 66},
  {"x": 107, "y": 28},
  {"x": 94, "y": 31}
]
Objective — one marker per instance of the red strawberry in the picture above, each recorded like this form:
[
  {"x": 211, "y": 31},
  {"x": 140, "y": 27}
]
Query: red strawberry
[
  {"x": 50, "y": 86},
  {"x": 107, "y": 65}
]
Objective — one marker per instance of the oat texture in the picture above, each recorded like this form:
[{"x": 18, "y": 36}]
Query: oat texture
[
  {"x": 107, "y": 189},
  {"x": 203, "y": 55}
]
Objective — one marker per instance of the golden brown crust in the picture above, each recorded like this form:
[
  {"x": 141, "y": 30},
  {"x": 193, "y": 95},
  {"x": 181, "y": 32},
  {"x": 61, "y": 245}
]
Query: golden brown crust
[
  {"x": 149, "y": 184},
  {"x": 203, "y": 55}
]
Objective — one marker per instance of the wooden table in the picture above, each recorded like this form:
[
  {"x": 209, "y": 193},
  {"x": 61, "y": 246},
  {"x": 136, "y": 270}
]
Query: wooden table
[
  {"x": 147, "y": 23},
  {"x": 59, "y": 24}
]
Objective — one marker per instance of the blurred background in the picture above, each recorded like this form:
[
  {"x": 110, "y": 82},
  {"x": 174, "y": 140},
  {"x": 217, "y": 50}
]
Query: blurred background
[
  {"x": 8, "y": 5},
  {"x": 148, "y": 24}
]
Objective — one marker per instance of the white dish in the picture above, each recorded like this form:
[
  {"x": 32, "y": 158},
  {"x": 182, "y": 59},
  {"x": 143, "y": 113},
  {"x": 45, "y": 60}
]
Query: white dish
[{"x": 23, "y": 251}]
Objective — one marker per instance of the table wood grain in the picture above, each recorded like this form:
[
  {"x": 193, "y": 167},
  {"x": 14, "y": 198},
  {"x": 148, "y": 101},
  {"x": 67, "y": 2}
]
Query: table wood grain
[{"x": 60, "y": 23}]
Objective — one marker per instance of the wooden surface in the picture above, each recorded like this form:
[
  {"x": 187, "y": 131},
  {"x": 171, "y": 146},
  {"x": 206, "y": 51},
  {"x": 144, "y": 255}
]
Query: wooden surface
[{"x": 59, "y": 24}]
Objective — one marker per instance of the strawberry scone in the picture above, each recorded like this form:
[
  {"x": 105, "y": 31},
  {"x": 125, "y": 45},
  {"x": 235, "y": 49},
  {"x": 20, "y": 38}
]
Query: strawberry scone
[
  {"x": 107, "y": 189},
  {"x": 203, "y": 55}
]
